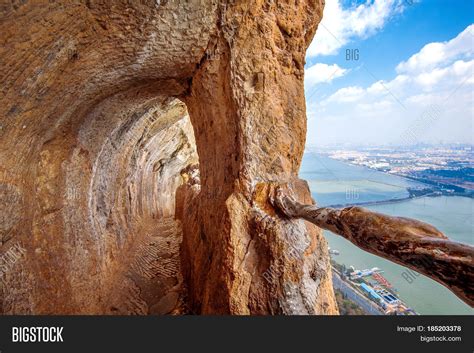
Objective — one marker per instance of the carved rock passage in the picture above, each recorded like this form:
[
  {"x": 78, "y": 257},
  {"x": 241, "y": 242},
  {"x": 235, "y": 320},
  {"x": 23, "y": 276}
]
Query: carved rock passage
[
  {"x": 93, "y": 139},
  {"x": 149, "y": 280},
  {"x": 405, "y": 241}
]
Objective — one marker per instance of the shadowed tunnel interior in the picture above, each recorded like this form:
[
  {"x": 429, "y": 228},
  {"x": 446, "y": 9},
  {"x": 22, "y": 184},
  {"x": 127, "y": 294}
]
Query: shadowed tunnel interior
[
  {"x": 111, "y": 196},
  {"x": 99, "y": 143}
]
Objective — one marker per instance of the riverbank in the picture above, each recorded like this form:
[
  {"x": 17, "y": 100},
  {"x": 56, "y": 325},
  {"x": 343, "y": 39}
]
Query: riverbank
[
  {"x": 367, "y": 306},
  {"x": 329, "y": 181},
  {"x": 369, "y": 289}
]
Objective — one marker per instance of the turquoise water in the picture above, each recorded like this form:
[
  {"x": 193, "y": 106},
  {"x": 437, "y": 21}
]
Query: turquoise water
[{"x": 333, "y": 182}]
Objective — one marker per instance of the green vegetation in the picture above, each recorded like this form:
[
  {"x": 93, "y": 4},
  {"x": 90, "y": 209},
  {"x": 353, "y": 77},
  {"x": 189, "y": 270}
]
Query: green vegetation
[{"x": 346, "y": 306}]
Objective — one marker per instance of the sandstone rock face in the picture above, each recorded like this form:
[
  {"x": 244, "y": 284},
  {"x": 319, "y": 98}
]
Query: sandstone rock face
[{"x": 101, "y": 211}]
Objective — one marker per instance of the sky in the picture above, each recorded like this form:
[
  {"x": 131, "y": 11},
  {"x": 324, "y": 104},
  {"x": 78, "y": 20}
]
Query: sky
[{"x": 391, "y": 72}]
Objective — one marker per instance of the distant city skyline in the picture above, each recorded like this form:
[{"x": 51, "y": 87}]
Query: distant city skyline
[
  {"x": 356, "y": 145},
  {"x": 391, "y": 72}
]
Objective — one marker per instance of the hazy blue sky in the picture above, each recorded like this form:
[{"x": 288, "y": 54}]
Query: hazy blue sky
[{"x": 412, "y": 82}]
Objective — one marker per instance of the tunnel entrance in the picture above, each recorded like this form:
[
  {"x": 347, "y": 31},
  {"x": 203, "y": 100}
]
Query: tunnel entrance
[
  {"x": 105, "y": 197},
  {"x": 134, "y": 182}
]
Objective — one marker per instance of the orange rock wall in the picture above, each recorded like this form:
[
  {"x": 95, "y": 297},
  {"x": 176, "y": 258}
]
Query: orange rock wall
[{"x": 93, "y": 140}]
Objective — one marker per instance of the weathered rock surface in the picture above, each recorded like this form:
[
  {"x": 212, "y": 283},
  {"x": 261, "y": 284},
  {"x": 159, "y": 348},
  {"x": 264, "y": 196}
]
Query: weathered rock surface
[{"x": 93, "y": 142}]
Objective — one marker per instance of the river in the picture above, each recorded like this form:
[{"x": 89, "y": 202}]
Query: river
[{"x": 334, "y": 182}]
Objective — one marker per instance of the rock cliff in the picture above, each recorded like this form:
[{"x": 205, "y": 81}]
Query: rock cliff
[{"x": 139, "y": 143}]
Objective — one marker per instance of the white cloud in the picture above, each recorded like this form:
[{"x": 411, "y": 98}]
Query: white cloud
[
  {"x": 388, "y": 108},
  {"x": 339, "y": 26},
  {"x": 322, "y": 73},
  {"x": 404, "y": 86},
  {"x": 435, "y": 54},
  {"x": 346, "y": 95}
]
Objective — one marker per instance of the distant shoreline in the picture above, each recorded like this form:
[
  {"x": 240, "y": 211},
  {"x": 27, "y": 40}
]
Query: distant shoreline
[
  {"x": 382, "y": 202},
  {"x": 411, "y": 196}
]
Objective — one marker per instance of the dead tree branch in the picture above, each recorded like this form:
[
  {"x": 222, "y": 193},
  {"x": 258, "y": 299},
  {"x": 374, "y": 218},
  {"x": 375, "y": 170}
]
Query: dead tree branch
[{"x": 405, "y": 241}]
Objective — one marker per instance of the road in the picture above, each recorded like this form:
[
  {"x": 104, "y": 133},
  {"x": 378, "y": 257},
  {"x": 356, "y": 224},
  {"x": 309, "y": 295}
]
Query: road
[{"x": 366, "y": 305}]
